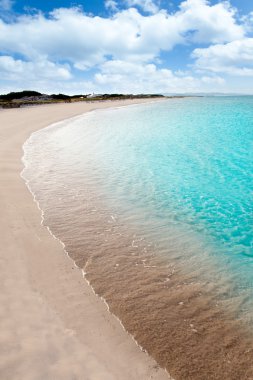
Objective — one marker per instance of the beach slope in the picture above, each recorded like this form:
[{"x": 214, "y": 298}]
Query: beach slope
[{"x": 52, "y": 324}]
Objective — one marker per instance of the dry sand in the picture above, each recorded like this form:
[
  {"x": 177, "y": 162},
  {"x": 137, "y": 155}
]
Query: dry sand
[{"x": 52, "y": 324}]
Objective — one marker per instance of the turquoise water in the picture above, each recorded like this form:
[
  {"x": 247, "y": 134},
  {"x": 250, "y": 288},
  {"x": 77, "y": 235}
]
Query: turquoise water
[
  {"x": 179, "y": 170},
  {"x": 188, "y": 162}
]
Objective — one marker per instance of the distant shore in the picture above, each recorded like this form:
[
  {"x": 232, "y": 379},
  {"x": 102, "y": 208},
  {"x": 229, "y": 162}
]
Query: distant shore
[
  {"x": 33, "y": 98},
  {"x": 53, "y": 326}
]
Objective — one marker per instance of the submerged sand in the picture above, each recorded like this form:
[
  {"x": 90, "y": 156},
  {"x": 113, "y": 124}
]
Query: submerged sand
[
  {"x": 54, "y": 327},
  {"x": 52, "y": 324},
  {"x": 187, "y": 324}
]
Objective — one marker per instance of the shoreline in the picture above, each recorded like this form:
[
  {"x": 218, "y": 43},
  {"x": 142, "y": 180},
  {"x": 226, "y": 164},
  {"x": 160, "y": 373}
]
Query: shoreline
[
  {"x": 185, "y": 337},
  {"x": 46, "y": 311},
  {"x": 83, "y": 273}
]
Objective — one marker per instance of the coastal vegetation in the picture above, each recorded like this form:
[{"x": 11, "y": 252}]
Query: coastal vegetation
[{"x": 28, "y": 98}]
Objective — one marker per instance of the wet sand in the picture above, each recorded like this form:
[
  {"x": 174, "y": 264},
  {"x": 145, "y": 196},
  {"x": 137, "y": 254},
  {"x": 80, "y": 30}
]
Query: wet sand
[
  {"x": 191, "y": 324},
  {"x": 54, "y": 327},
  {"x": 52, "y": 324},
  {"x": 187, "y": 324}
]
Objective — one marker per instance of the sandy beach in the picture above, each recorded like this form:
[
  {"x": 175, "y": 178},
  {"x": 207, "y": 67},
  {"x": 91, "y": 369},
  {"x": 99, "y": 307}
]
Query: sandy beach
[{"x": 52, "y": 325}]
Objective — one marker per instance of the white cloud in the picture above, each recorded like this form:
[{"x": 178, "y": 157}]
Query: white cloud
[
  {"x": 12, "y": 69},
  {"x": 114, "y": 76},
  {"x": 234, "y": 58},
  {"x": 148, "y": 78},
  {"x": 83, "y": 40},
  {"x": 124, "y": 48},
  {"x": 149, "y": 6},
  {"x": 6, "y": 5},
  {"x": 111, "y": 4},
  {"x": 206, "y": 23}
]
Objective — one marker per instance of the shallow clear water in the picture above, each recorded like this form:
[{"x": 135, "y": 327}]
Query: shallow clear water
[
  {"x": 179, "y": 170},
  {"x": 188, "y": 162},
  {"x": 154, "y": 201}
]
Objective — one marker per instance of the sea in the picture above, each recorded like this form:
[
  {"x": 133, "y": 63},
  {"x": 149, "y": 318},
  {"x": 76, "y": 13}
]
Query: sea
[{"x": 154, "y": 203}]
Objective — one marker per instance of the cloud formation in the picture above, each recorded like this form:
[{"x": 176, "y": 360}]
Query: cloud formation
[
  {"x": 68, "y": 42},
  {"x": 234, "y": 58},
  {"x": 149, "y": 6},
  {"x": 83, "y": 40},
  {"x": 15, "y": 69},
  {"x": 111, "y": 4},
  {"x": 148, "y": 78}
]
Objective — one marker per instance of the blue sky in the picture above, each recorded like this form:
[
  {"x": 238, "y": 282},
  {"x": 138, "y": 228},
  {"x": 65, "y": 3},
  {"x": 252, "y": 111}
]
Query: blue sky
[
  {"x": 97, "y": 7},
  {"x": 128, "y": 46}
]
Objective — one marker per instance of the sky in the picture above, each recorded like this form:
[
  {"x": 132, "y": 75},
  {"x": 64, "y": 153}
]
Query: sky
[{"x": 126, "y": 46}]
